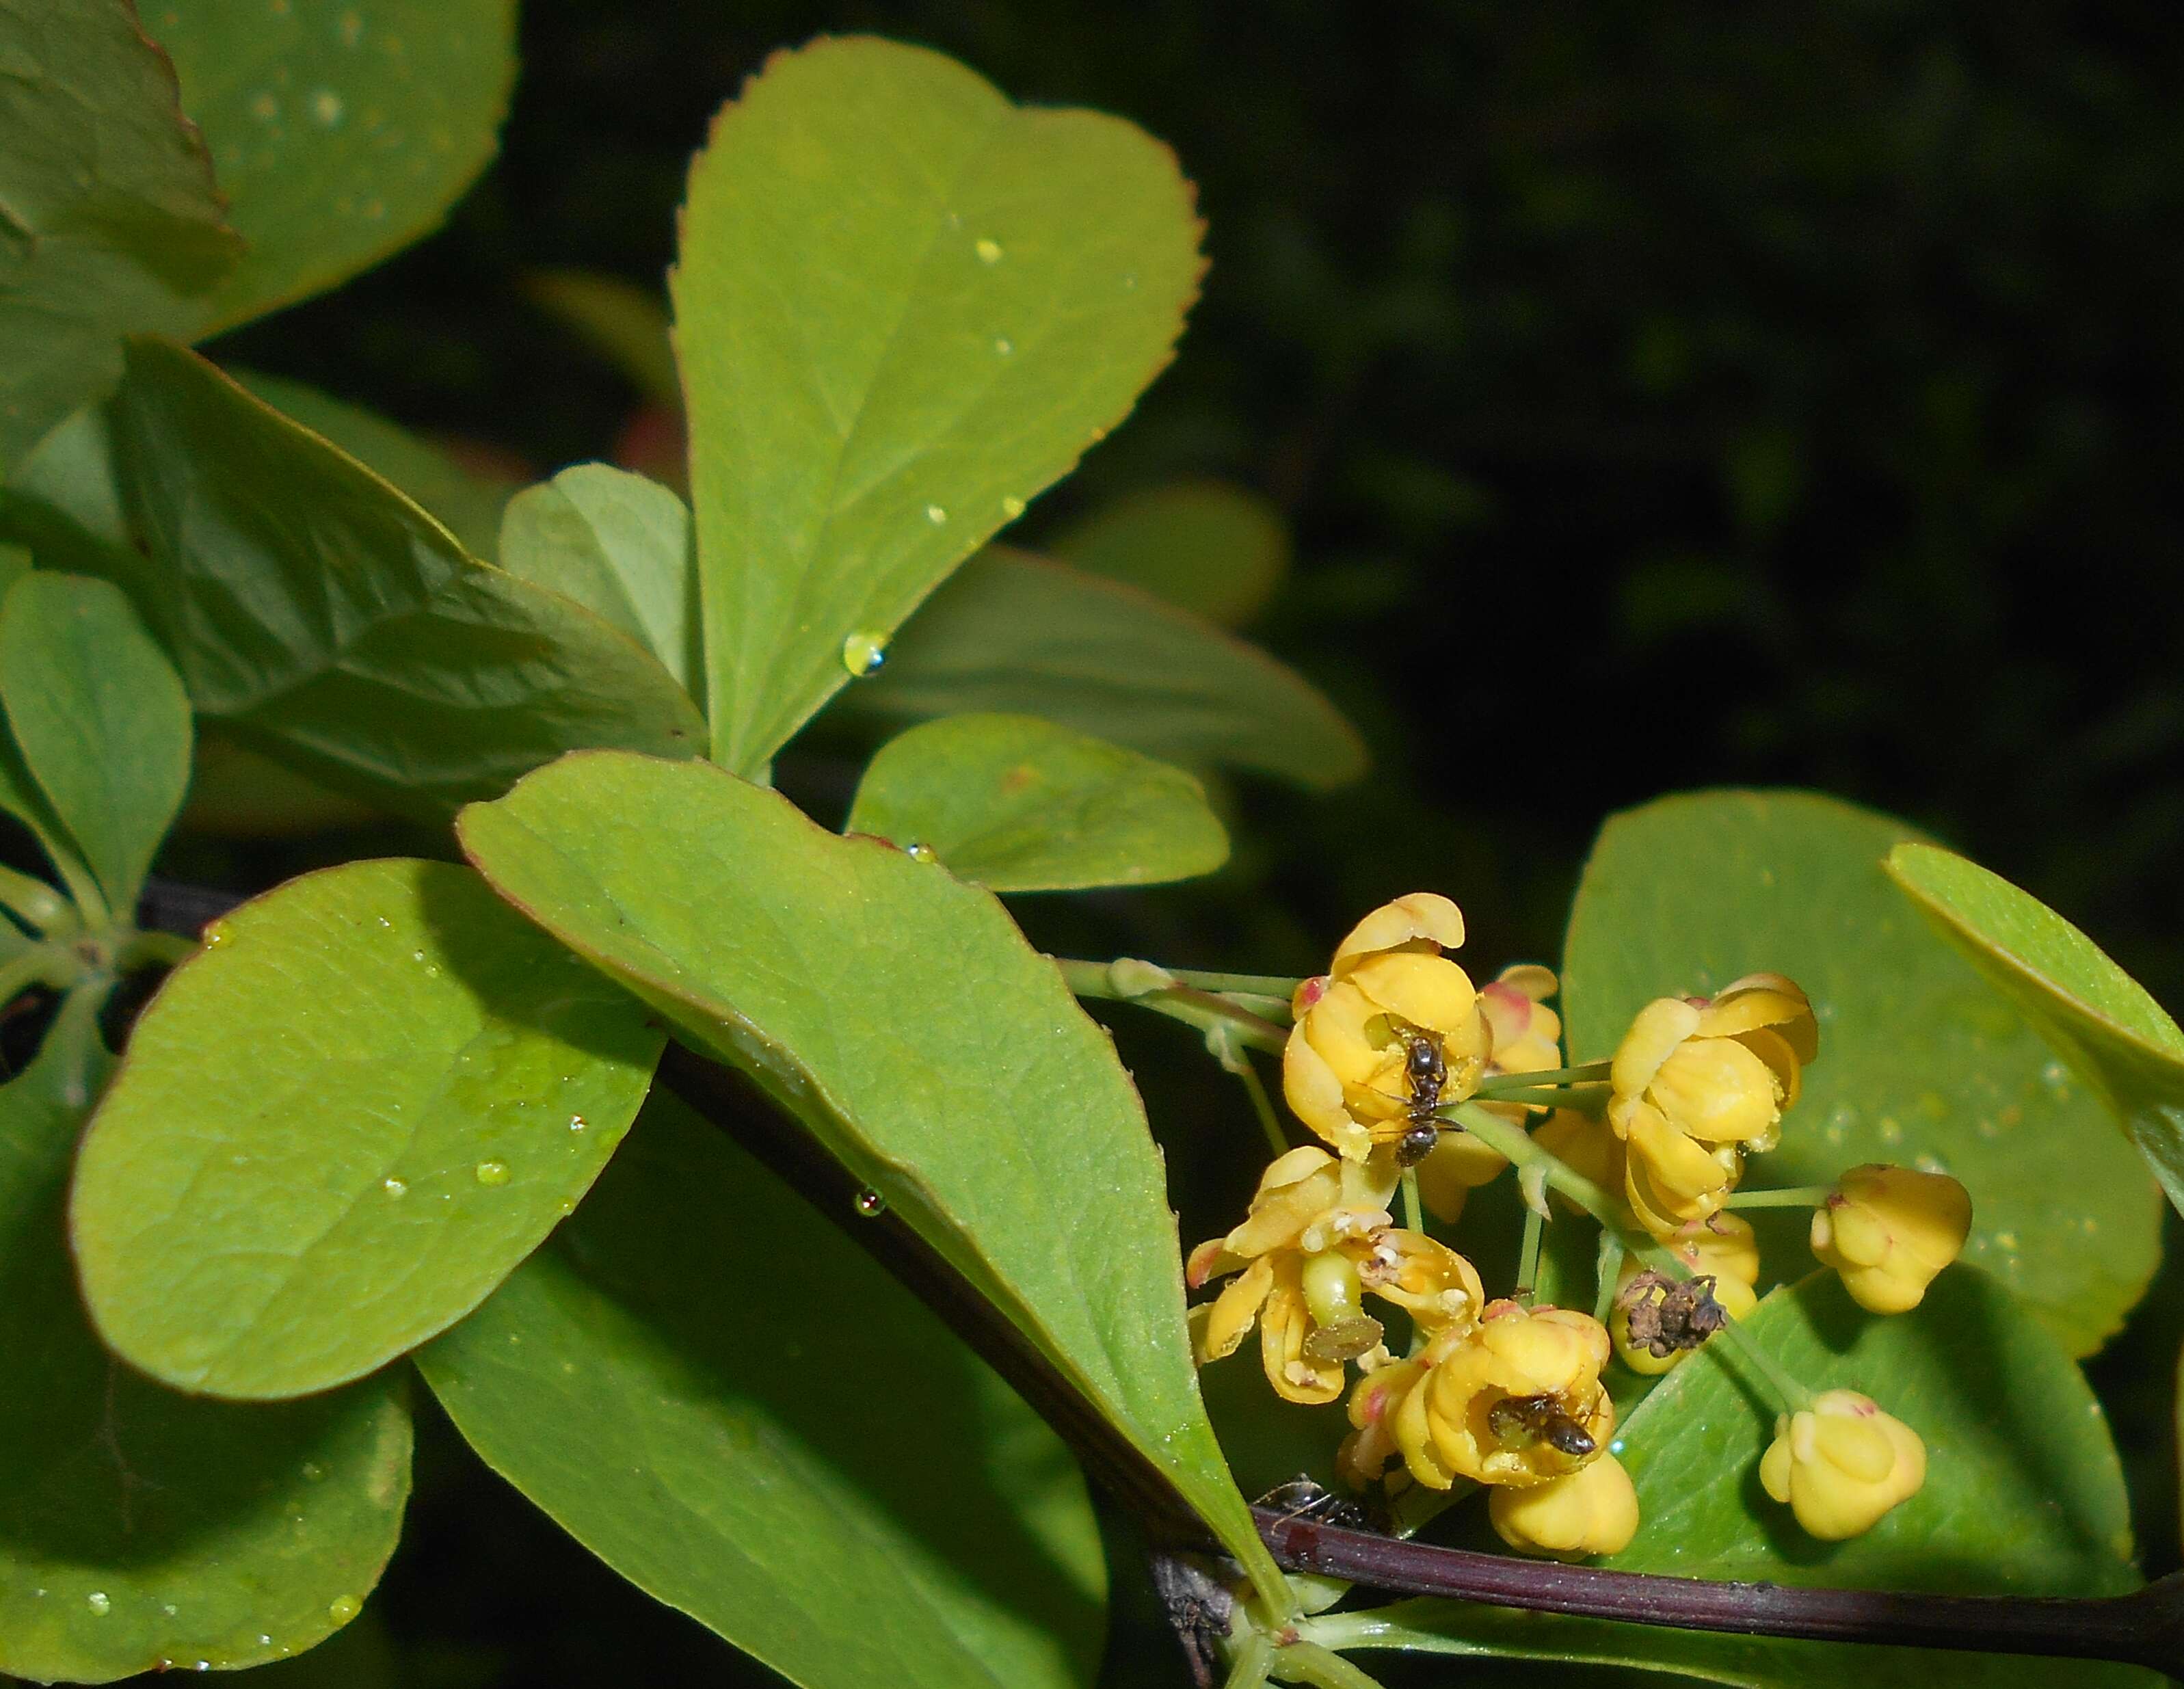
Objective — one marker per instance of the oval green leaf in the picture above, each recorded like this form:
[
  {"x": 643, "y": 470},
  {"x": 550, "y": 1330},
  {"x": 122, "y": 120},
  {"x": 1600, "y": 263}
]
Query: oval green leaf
[
  {"x": 1014, "y": 633},
  {"x": 2098, "y": 1018},
  {"x": 903, "y": 308},
  {"x": 109, "y": 221},
  {"x": 618, "y": 545},
  {"x": 342, "y": 1123},
  {"x": 142, "y": 1529},
  {"x": 1919, "y": 1063},
  {"x": 1016, "y": 804},
  {"x": 323, "y": 616},
  {"x": 342, "y": 130},
  {"x": 1214, "y": 550},
  {"x": 932, "y": 1533},
  {"x": 101, "y": 722},
  {"x": 898, "y": 1014}
]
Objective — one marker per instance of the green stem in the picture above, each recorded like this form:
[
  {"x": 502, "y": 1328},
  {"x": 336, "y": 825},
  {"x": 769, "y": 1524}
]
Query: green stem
[
  {"x": 1261, "y": 1105},
  {"x": 1528, "y": 1254},
  {"x": 1605, "y": 1268},
  {"x": 1252, "y": 1660},
  {"x": 1303, "y": 1662},
  {"x": 1796, "y": 1196},
  {"x": 1414, "y": 1214},
  {"x": 1516, "y": 1144},
  {"x": 1589, "y": 1073},
  {"x": 1590, "y": 1098},
  {"x": 1273, "y": 986},
  {"x": 55, "y": 967},
  {"x": 152, "y": 950},
  {"x": 1204, "y": 1010}
]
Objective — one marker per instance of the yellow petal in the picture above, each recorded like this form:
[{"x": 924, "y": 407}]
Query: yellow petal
[
  {"x": 1591, "y": 1511},
  {"x": 1764, "y": 1000},
  {"x": 1423, "y": 917},
  {"x": 1314, "y": 1095},
  {"x": 1428, "y": 991},
  {"x": 1234, "y": 1311},
  {"x": 1659, "y": 1029},
  {"x": 1716, "y": 1089},
  {"x": 1284, "y": 1324}
]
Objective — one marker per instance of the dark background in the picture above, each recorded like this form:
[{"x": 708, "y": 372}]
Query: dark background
[{"x": 1661, "y": 397}]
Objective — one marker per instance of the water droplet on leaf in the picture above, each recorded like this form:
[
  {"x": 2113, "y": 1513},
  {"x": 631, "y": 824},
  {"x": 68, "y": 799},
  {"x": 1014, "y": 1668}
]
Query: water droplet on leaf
[
  {"x": 863, "y": 654},
  {"x": 327, "y": 107},
  {"x": 989, "y": 252},
  {"x": 1013, "y": 508},
  {"x": 918, "y": 852},
  {"x": 491, "y": 1171},
  {"x": 99, "y": 1603},
  {"x": 870, "y": 1203},
  {"x": 578, "y": 1123},
  {"x": 936, "y": 515},
  {"x": 1004, "y": 345},
  {"x": 343, "y": 1607}
]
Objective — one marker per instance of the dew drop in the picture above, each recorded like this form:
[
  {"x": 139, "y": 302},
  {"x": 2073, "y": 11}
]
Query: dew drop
[
  {"x": 416, "y": 955},
  {"x": 918, "y": 851},
  {"x": 578, "y": 1123},
  {"x": 313, "y": 1472},
  {"x": 863, "y": 654},
  {"x": 265, "y": 1641},
  {"x": 393, "y": 1186},
  {"x": 1013, "y": 508},
  {"x": 326, "y": 107},
  {"x": 99, "y": 1602},
  {"x": 989, "y": 252},
  {"x": 165, "y": 1607},
  {"x": 343, "y": 1607},
  {"x": 387, "y": 923},
  {"x": 936, "y": 515},
  {"x": 215, "y": 936},
  {"x": 870, "y": 1203},
  {"x": 490, "y": 1172},
  {"x": 1003, "y": 345}
]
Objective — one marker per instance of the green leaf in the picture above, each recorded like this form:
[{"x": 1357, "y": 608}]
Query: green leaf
[
  {"x": 142, "y": 1529},
  {"x": 1919, "y": 1063},
  {"x": 342, "y": 130},
  {"x": 2099, "y": 1019},
  {"x": 342, "y": 1124},
  {"x": 903, "y": 308},
  {"x": 237, "y": 793},
  {"x": 2024, "y": 1493},
  {"x": 2024, "y": 1496},
  {"x": 467, "y": 505},
  {"x": 321, "y": 616},
  {"x": 103, "y": 723},
  {"x": 900, "y": 1016},
  {"x": 1014, "y": 633},
  {"x": 1016, "y": 804},
  {"x": 624, "y": 323},
  {"x": 621, "y": 546},
  {"x": 1214, "y": 550},
  {"x": 703, "y": 1324},
  {"x": 109, "y": 222}
]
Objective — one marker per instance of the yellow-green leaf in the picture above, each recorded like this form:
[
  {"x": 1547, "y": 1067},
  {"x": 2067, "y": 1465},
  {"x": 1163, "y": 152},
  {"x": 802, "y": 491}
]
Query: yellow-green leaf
[
  {"x": 2099, "y": 1019},
  {"x": 903, "y": 307},
  {"x": 898, "y": 1014},
  {"x": 342, "y": 1124},
  {"x": 1016, "y": 804}
]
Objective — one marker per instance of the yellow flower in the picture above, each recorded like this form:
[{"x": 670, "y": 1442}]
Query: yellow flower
[
  {"x": 1348, "y": 1068},
  {"x": 1318, "y": 1236},
  {"x": 1888, "y": 1231},
  {"x": 1373, "y": 1404},
  {"x": 1297, "y": 1252},
  {"x": 1842, "y": 1464},
  {"x": 1594, "y": 1510},
  {"x": 1656, "y": 1322},
  {"x": 1722, "y": 1245},
  {"x": 1695, "y": 1083},
  {"x": 1515, "y": 1400}
]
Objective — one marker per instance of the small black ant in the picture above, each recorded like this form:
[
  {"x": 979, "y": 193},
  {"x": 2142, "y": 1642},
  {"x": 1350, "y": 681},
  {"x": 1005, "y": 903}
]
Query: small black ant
[
  {"x": 1518, "y": 1420},
  {"x": 1427, "y": 1070}
]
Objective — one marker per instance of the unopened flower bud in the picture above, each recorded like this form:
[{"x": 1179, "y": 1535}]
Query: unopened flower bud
[
  {"x": 1593, "y": 1510},
  {"x": 1842, "y": 1464},
  {"x": 1888, "y": 1231}
]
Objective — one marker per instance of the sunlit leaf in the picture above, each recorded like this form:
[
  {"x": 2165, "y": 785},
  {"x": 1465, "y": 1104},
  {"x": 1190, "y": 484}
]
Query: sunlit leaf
[
  {"x": 102, "y": 723},
  {"x": 1018, "y": 803},
  {"x": 1920, "y": 1064},
  {"x": 341, "y": 129},
  {"x": 619, "y": 545},
  {"x": 901, "y": 1016},
  {"x": 109, "y": 221},
  {"x": 1014, "y": 633},
  {"x": 903, "y": 307},
  {"x": 319, "y": 614},
  {"x": 1215, "y": 549},
  {"x": 2099, "y": 1019},
  {"x": 139, "y": 1528},
  {"x": 701, "y": 1324},
  {"x": 342, "y": 1124}
]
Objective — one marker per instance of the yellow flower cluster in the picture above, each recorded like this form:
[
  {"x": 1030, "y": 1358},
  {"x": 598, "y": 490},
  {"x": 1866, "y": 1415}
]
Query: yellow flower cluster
[{"x": 1505, "y": 1394}]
